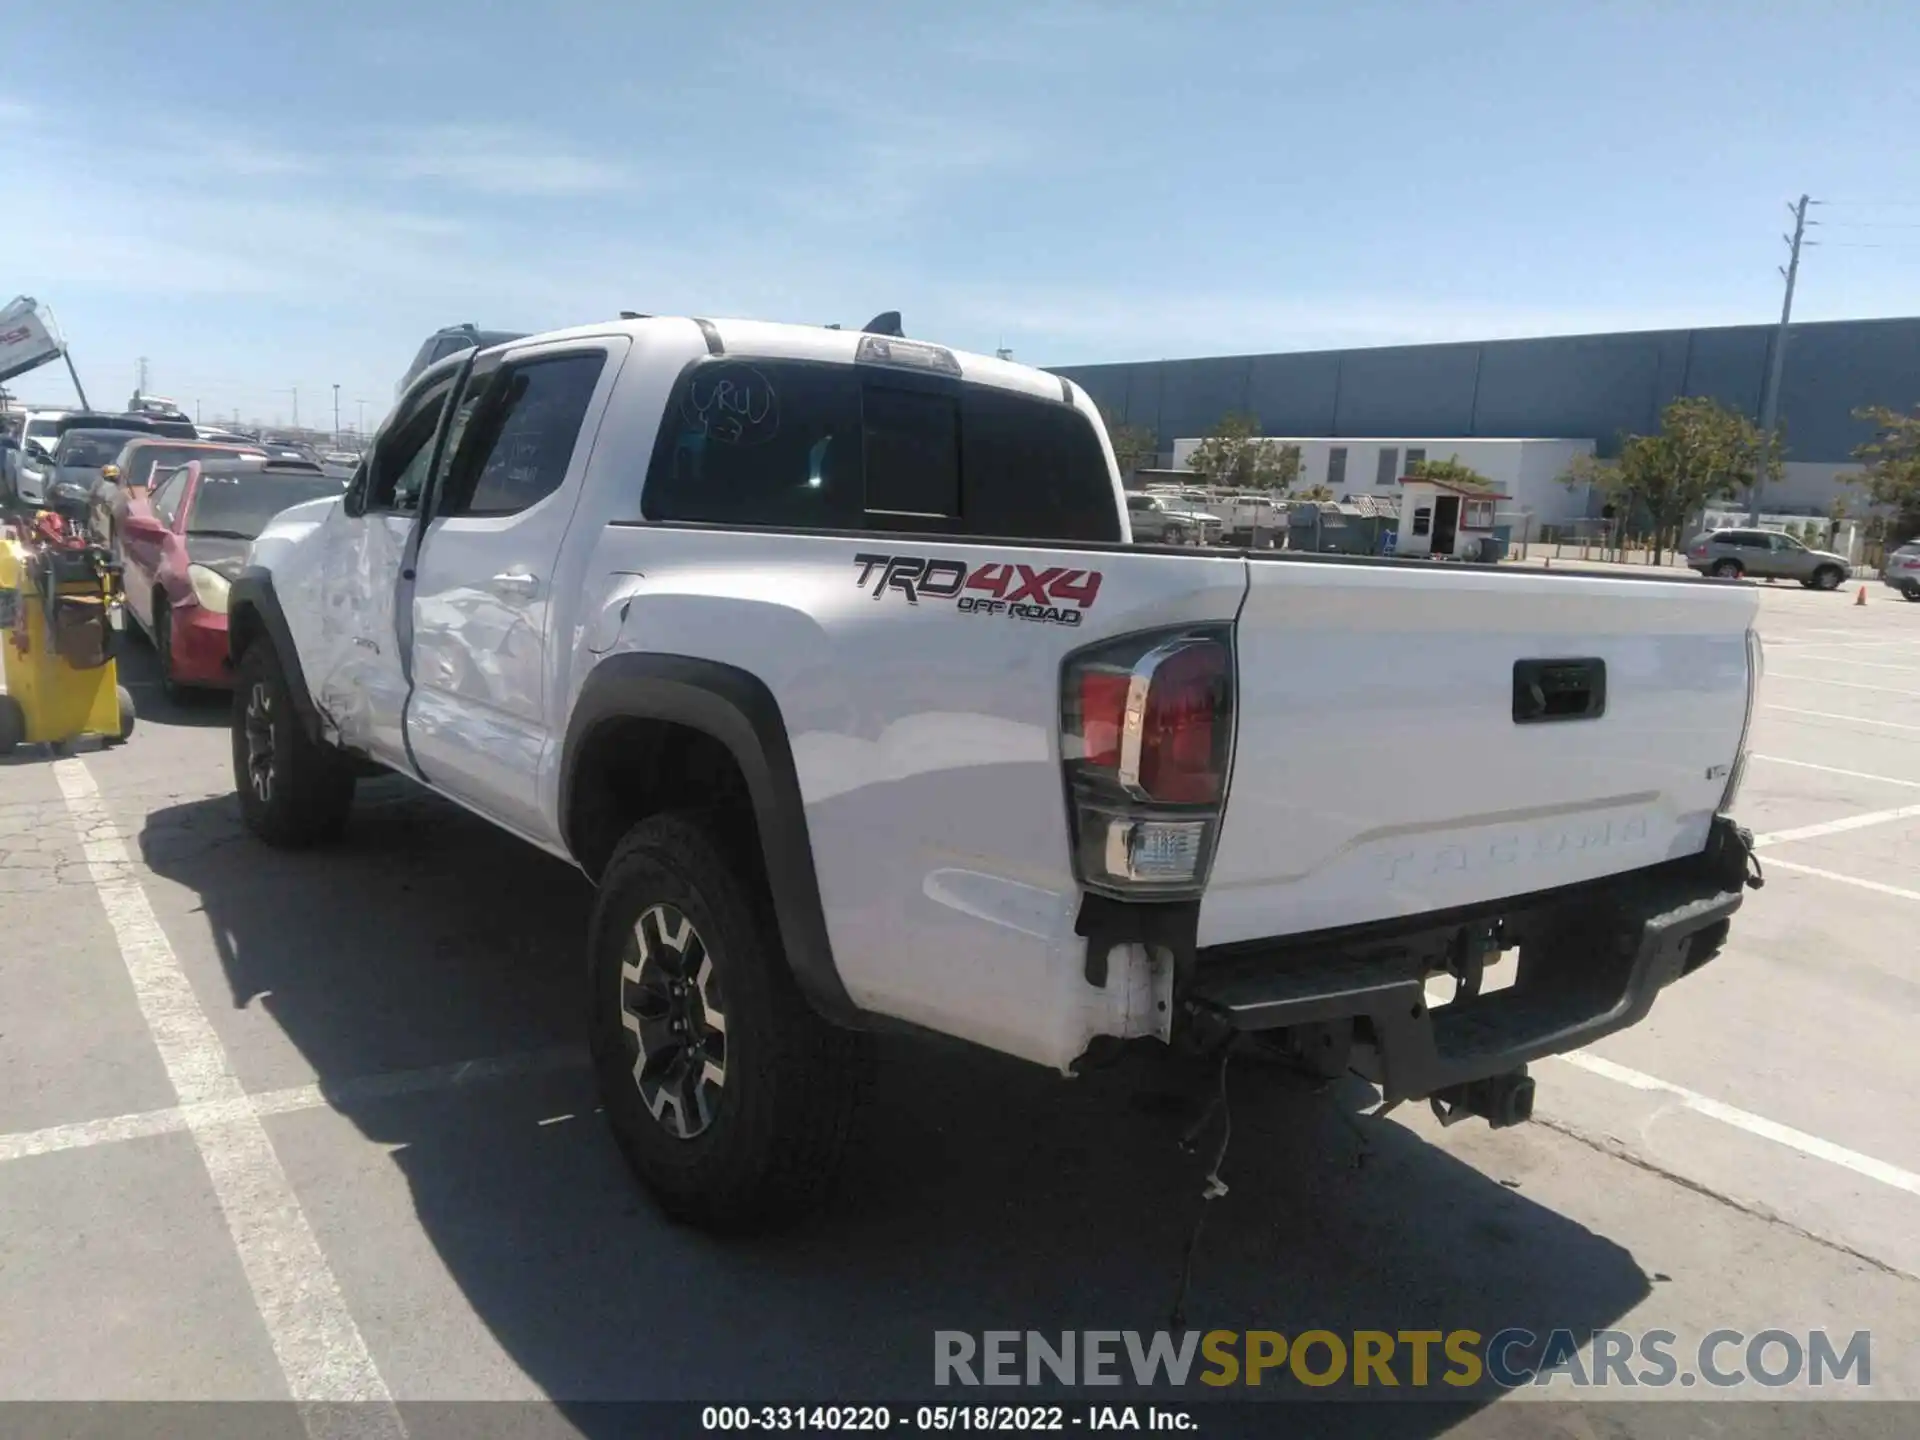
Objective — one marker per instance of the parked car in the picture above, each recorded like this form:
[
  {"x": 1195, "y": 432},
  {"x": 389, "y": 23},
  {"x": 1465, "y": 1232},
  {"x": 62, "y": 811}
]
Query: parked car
[
  {"x": 1902, "y": 570},
  {"x": 1162, "y": 520},
  {"x": 1765, "y": 555},
  {"x": 77, "y": 464},
  {"x": 135, "y": 464},
  {"x": 815, "y": 651},
  {"x": 452, "y": 340},
  {"x": 182, "y": 546},
  {"x": 39, "y": 435}
]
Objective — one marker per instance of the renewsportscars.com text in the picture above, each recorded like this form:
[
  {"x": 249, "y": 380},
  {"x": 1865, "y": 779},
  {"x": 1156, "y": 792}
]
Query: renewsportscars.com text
[{"x": 1405, "y": 1359}]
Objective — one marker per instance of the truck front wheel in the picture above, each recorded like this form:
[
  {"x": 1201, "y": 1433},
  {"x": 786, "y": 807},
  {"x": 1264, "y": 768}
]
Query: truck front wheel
[
  {"x": 730, "y": 1098},
  {"x": 294, "y": 788}
]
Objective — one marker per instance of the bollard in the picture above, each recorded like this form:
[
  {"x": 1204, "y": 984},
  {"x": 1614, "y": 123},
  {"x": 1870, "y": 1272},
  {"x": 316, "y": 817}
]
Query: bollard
[{"x": 1861, "y": 598}]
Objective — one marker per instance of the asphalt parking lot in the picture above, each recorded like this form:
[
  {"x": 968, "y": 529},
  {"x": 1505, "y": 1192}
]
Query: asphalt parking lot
[{"x": 319, "y": 1125}]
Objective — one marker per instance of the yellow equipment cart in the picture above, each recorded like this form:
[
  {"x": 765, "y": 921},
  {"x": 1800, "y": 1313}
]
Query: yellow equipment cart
[{"x": 59, "y": 595}]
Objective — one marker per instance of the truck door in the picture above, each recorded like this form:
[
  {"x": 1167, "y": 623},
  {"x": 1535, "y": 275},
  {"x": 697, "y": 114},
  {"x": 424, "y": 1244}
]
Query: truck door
[
  {"x": 482, "y": 597},
  {"x": 361, "y": 684}
]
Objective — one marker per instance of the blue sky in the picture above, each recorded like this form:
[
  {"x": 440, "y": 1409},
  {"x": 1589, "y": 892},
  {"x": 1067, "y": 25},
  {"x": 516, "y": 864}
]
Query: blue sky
[{"x": 257, "y": 198}]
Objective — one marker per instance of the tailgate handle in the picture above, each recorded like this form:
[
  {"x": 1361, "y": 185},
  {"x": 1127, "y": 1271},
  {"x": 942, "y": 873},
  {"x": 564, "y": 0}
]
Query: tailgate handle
[{"x": 1546, "y": 690}]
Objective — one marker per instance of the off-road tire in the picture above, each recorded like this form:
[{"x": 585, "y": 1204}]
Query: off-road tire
[
  {"x": 309, "y": 785},
  {"x": 779, "y": 1124}
]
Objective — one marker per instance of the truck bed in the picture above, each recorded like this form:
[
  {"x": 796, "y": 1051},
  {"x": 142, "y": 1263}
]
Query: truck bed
[{"x": 1385, "y": 767}]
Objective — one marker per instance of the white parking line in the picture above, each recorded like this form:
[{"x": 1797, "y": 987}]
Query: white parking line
[
  {"x": 1835, "y": 827},
  {"x": 84, "y": 1134},
  {"x": 1836, "y": 770},
  {"x": 322, "y": 1354},
  {"x": 1753, "y": 1124},
  {"x": 1850, "y": 719},
  {"x": 1843, "y": 684},
  {"x": 1853, "y": 664},
  {"x": 1874, "y": 885}
]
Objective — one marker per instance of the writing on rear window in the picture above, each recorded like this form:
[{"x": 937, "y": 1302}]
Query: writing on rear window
[{"x": 1048, "y": 594}]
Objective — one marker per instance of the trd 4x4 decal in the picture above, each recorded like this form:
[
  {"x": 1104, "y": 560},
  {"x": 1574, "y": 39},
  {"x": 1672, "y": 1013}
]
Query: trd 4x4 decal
[{"x": 1052, "y": 594}]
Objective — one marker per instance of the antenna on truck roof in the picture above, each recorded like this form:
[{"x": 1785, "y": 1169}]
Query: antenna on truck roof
[{"x": 887, "y": 322}]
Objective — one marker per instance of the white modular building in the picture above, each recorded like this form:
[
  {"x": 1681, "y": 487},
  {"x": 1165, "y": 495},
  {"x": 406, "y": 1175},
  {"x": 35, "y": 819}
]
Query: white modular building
[{"x": 1526, "y": 472}]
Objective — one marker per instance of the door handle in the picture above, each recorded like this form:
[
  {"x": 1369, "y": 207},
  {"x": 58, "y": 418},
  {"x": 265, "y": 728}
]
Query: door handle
[{"x": 516, "y": 582}]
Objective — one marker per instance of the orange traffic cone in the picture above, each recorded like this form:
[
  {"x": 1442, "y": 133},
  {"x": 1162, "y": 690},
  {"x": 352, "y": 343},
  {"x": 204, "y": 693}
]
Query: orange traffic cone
[{"x": 1861, "y": 598}]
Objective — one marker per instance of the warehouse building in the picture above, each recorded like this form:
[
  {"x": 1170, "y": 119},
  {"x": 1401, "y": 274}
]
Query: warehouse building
[{"x": 1576, "y": 389}]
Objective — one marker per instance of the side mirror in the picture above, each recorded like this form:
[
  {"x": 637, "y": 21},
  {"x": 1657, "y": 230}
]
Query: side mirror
[{"x": 143, "y": 527}]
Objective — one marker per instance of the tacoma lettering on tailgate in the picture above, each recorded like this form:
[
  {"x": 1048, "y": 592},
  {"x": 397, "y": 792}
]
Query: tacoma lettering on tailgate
[{"x": 1052, "y": 594}]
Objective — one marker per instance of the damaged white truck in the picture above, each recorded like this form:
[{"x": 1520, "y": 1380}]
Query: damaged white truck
[{"x": 827, "y": 656}]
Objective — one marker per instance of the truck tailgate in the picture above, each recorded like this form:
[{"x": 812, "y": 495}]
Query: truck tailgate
[{"x": 1384, "y": 767}]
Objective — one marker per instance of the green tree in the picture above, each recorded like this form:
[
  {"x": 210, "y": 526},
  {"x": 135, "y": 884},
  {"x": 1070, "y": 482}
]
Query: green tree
[
  {"x": 1892, "y": 459},
  {"x": 1449, "y": 472},
  {"x": 1235, "y": 458},
  {"x": 1134, "y": 446},
  {"x": 1704, "y": 452}
]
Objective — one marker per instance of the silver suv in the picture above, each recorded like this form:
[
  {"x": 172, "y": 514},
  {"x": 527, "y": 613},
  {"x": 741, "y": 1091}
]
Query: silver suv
[
  {"x": 1765, "y": 555},
  {"x": 1902, "y": 570},
  {"x": 1170, "y": 520}
]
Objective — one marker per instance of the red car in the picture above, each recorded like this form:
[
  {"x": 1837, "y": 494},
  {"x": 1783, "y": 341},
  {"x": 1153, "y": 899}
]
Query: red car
[{"x": 181, "y": 545}]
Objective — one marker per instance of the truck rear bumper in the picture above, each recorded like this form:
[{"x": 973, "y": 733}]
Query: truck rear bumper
[{"x": 1592, "y": 958}]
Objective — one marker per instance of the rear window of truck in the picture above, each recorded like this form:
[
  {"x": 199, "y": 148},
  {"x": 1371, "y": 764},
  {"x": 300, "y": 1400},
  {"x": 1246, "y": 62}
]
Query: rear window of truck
[{"x": 804, "y": 445}]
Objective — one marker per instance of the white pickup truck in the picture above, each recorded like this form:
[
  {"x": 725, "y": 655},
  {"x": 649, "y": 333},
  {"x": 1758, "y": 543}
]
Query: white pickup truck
[{"x": 827, "y": 657}]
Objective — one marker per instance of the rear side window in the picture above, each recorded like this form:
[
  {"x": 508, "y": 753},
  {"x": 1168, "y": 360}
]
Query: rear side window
[{"x": 802, "y": 445}]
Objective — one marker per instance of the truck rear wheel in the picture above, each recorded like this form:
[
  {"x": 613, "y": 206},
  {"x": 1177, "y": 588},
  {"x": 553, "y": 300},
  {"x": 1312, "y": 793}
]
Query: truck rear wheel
[
  {"x": 730, "y": 1098},
  {"x": 294, "y": 789}
]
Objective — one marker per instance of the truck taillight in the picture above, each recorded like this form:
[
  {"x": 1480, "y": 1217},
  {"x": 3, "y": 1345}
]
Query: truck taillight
[{"x": 1147, "y": 735}]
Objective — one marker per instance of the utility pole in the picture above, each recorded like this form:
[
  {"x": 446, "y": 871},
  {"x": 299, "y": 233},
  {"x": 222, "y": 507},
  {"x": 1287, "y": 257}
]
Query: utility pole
[
  {"x": 1770, "y": 398},
  {"x": 141, "y": 388},
  {"x": 336, "y": 417},
  {"x": 360, "y": 424},
  {"x": 296, "y": 407}
]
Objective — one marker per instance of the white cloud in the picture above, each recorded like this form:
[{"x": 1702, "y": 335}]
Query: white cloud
[
  {"x": 1058, "y": 325},
  {"x": 497, "y": 160}
]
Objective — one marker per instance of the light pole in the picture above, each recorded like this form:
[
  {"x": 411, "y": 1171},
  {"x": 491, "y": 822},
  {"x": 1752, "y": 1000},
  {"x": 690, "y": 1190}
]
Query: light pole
[
  {"x": 336, "y": 417},
  {"x": 1770, "y": 400}
]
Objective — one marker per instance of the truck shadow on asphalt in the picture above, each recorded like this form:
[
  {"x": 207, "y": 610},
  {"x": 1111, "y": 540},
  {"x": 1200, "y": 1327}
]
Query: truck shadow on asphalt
[
  {"x": 984, "y": 1193},
  {"x": 140, "y": 673}
]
